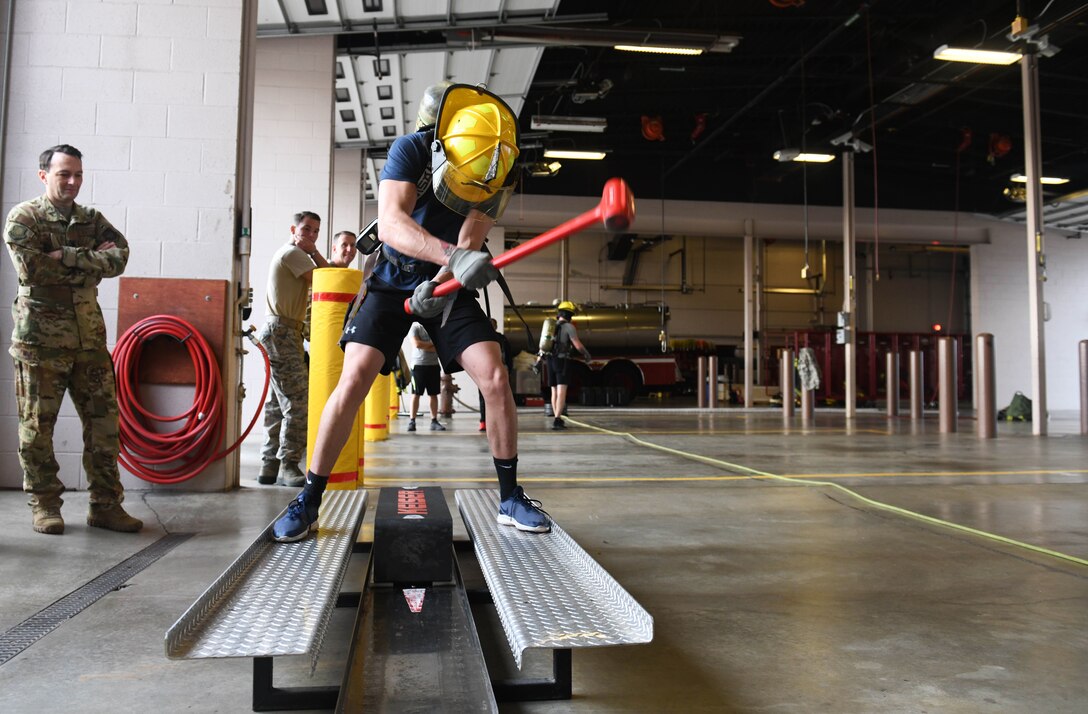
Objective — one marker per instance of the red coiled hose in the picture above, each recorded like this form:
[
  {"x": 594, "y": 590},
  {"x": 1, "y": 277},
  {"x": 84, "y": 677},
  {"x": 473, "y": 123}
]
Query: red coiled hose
[{"x": 173, "y": 456}]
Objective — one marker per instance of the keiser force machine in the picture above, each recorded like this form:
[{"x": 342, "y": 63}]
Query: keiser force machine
[{"x": 415, "y": 645}]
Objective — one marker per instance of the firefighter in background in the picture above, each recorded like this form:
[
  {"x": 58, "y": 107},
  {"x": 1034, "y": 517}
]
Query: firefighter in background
[{"x": 564, "y": 338}]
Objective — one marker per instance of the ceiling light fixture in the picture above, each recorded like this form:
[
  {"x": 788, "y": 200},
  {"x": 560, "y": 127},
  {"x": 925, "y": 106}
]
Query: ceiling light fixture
[
  {"x": 554, "y": 123},
  {"x": 977, "y": 56},
  {"x": 570, "y": 154},
  {"x": 659, "y": 50},
  {"x": 1048, "y": 180},
  {"x": 784, "y": 155}
]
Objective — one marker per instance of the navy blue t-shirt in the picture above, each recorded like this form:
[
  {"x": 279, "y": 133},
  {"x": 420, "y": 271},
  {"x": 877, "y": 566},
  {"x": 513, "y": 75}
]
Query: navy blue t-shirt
[{"x": 409, "y": 159}]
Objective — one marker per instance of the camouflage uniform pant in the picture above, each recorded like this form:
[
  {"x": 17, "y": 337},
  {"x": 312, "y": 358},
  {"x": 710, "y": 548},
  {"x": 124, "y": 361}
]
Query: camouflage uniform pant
[
  {"x": 287, "y": 408},
  {"x": 40, "y": 385}
]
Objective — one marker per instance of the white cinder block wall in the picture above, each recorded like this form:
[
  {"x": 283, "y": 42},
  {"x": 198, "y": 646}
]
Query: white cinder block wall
[
  {"x": 149, "y": 93},
  {"x": 292, "y": 167},
  {"x": 347, "y": 193}
]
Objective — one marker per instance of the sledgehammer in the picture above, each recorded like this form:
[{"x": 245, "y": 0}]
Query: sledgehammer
[{"x": 616, "y": 210}]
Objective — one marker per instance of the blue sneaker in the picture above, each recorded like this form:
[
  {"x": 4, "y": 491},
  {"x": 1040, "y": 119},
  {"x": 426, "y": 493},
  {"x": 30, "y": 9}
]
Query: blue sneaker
[
  {"x": 300, "y": 519},
  {"x": 523, "y": 513}
]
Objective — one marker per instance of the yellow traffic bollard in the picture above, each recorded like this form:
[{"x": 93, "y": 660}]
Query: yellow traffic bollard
[{"x": 333, "y": 289}]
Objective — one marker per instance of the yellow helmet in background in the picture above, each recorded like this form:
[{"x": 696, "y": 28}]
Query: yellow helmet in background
[
  {"x": 475, "y": 151},
  {"x": 566, "y": 306}
]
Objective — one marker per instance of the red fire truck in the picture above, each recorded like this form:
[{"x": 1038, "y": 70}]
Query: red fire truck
[{"x": 626, "y": 344}]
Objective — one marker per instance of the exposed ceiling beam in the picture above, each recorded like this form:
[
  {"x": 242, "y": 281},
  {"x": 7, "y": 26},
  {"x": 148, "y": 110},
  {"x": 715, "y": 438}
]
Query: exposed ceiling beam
[{"x": 400, "y": 24}]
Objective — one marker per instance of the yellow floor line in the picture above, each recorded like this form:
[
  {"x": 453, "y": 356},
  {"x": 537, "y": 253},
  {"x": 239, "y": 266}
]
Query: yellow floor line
[{"x": 839, "y": 487}]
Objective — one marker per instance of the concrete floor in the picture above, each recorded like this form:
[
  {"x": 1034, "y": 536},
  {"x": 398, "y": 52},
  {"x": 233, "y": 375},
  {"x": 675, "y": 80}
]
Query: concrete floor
[{"x": 768, "y": 594}]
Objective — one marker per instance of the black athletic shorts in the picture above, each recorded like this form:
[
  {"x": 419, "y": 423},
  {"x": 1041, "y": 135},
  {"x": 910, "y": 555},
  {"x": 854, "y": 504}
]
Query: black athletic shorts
[
  {"x": 382, "y": 323},
  {"x": 557, "y": 370},
  {"x": 426, "y": 379}
]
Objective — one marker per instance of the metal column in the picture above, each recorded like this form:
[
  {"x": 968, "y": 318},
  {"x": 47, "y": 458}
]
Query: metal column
[
  {"x": 1029, "y": 75},
  {"x": 917, "y": 383},
  {"x": 712, "y": 381},
  {"x": 946, "y": 384},
  {"x": 1084, "y": 386},
  {"x": 700, "y": 382},
  {"x": 808, "y": 398},
  {"x": 986, "y": 409},
  {"x": 749, "y": 238},
  {"x": 891, "y": 383},
  {"x": 849, "y": 300},
  {"x": 786, "y": 383}
]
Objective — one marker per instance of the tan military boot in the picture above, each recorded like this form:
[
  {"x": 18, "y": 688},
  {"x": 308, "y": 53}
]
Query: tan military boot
[
  {"x": 112, "y": 517},
  {"x": 269, "y": 471},
  {"x": 47, "y": 519},
  {"x": 291, "y": 475}
]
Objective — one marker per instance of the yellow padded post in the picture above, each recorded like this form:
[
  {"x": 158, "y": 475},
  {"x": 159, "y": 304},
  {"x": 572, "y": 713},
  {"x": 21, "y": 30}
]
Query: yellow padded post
[{"x": 333, "y": 289}]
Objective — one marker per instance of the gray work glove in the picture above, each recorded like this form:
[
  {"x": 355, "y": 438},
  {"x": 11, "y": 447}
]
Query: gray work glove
[
  {"x": 472, "y": 268},
  {"x": 423, "y": 303},
  {"x": 585, "y": 356}
]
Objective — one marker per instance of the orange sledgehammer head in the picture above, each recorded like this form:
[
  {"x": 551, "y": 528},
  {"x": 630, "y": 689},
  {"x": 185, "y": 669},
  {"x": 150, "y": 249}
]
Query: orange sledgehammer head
[{"x": 617, "y": 206}]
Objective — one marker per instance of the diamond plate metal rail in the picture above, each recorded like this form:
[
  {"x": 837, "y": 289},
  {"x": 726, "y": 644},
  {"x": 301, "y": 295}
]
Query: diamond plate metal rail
[
  {"x": 276, "y": 598},
  {"x": 549, "y": 593}
]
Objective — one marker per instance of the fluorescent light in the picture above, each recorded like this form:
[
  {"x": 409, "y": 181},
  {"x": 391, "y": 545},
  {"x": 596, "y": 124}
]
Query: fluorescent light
[
  {"x": 553, "y": 123},
  {"x": 960, "y": 54},
  {"x": 1049, "y": 180},
  {"x": 567, "y": 154},
  {"x": 797, "y": 155},
  {"x": 659, "y": 50}
]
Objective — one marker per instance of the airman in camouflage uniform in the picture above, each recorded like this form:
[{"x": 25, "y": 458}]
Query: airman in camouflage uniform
[
  {"x": 287, "y": 408},
  {"x": 61, "y": 251}
]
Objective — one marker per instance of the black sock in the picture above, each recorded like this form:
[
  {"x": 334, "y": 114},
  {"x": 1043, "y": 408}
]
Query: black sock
[
  {"x": 507, "y": 469},
  {"x": 315, "y": 484}
]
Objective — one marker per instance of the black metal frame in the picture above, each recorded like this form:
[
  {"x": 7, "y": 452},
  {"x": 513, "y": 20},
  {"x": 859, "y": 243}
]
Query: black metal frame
[
  {"x": 531, "y": 689},
  {"x": 538, "y": 689},
  {"x": 269, "y": 698}
]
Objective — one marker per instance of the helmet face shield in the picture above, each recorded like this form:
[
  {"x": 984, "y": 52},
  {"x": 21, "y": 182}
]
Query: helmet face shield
[
  {"x": 462, "y": 193},
  {"x": 475, "y": 151}
]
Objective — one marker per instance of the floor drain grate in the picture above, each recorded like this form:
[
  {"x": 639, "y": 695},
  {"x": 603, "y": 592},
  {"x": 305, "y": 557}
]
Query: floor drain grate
[{"x": 43, "y": 622}]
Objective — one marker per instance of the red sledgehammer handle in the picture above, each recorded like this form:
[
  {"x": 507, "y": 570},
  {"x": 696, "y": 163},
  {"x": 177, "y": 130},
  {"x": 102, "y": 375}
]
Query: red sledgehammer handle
[{"x": 616, "y": 210}]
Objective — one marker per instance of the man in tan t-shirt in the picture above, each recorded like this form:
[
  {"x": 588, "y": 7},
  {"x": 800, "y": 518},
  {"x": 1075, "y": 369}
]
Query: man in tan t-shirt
[{"x": 285, "y": 412}]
